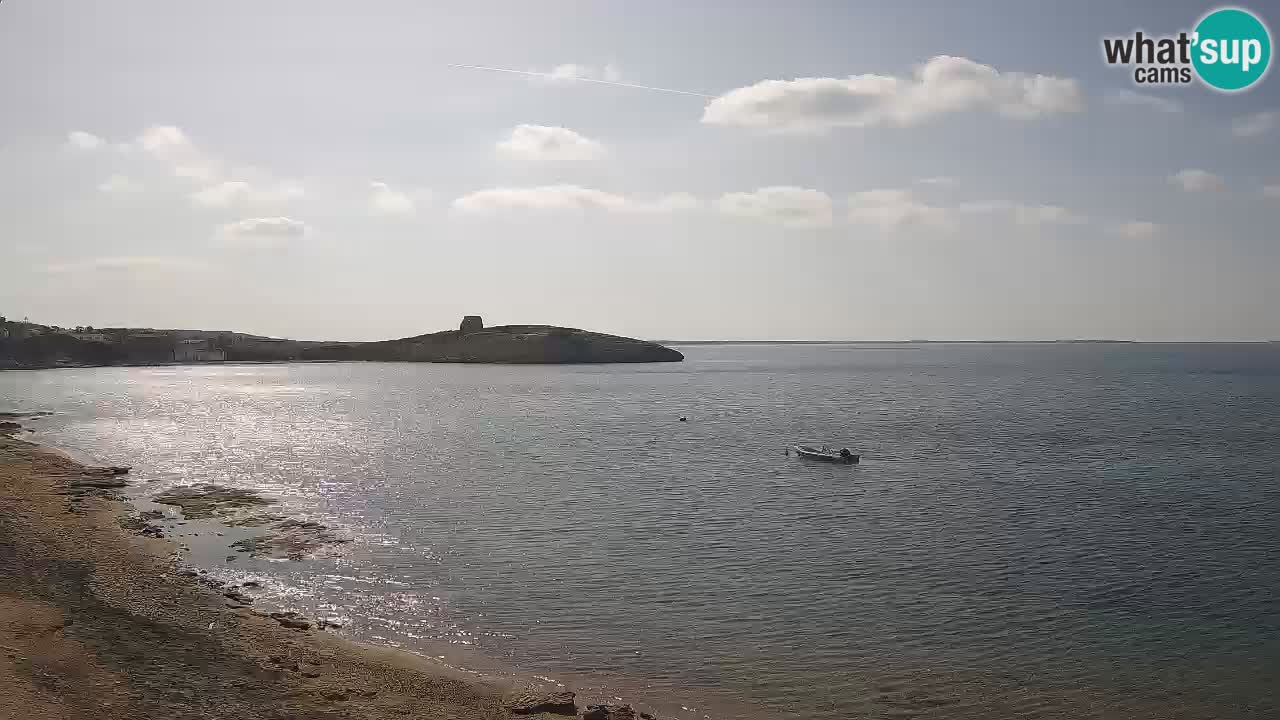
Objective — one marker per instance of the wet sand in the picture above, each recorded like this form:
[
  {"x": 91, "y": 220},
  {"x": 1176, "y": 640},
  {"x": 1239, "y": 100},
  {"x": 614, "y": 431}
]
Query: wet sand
[{"x": 97, "y": 622}]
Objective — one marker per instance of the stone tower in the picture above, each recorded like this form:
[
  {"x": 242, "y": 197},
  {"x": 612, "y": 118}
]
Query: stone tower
[{"x": 470, "y": 324}]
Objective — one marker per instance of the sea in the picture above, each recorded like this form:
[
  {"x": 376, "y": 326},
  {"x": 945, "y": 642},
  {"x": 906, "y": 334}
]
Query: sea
[{"x": 1056, "y": 530}]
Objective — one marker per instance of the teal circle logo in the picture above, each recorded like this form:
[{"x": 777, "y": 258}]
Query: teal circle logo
[{"x": 1232, "y": 49}]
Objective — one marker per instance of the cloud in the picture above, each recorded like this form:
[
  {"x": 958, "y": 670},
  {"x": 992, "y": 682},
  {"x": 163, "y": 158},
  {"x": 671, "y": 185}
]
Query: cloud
[
  {"x": 120, "y": 185},
  {"x": 541, "y": 143},
  {"x": 1255, "y": 125},
  {"x": 263, "y": 231},
  {"x": 1129, "y": 98},
  {"x": 574, "y": 71},
  {"x": 173, "y": 147},
  {"x": 1271, "y": 191},
  {"x": 780, "y": 205},
  {"x": 125, "y": 264},
  {"x": 941, "y": 86},
  {"x": 239, "y": 193},
  {"x": 1197, "y": 181},
  {"x": 386, "y": 200},
  {"x": 1045, "y": 215},
  {"x": 1134, "y": 230},
  {"x": 81, "y": 140},
  {"x": 896, "y": 209},
  {"x": 567, "y": 198}
]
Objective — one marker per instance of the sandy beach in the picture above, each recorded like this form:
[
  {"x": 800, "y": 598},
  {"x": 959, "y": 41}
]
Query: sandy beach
[{"x": 97, "y": 621}]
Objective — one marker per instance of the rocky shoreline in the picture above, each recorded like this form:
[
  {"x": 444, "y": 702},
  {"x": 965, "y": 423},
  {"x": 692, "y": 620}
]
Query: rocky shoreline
[{"x": 100, "y": 619}]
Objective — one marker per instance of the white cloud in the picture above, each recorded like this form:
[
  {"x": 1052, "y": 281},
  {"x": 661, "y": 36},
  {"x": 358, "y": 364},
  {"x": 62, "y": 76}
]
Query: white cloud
[
  {"x": 541, "y": 143},
  {"x": 941, "y": 86},
  {"x": 263, "y": 231},
  {"x": 1255, "y": 125},
  {"x": 567, "y": 197},
  {"x": 1045, "y": 215},
  {"x": 781, "y": 205},
  {"x": 1129, "y": 98},
  {"x": 1271, "y": 191},
  {"x": 896, "y": 209},
  {"x": 574, "y": 71},
  {"x": 126, "y": 264},
  {"x": 81, "y": 140},
  {"x": 120, "y": 185},
  {"x": 386, "y": 200},
  {"x": 171, "y": 146},
  {"x": 1197, "y": 181},
  {"x": 239, "y": 193},
  {"x": 1134, "y": 230}
]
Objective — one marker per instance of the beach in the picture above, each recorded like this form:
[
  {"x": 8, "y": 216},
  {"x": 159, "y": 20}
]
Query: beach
[{"x": 96, "y": 621}]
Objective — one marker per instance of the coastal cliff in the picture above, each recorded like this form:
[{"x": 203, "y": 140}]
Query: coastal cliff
[{"x": 29, "y": 345}]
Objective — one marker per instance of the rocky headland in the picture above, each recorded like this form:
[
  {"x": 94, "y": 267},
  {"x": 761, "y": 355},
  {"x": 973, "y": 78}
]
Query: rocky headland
[{"x": 29, "y": 345}]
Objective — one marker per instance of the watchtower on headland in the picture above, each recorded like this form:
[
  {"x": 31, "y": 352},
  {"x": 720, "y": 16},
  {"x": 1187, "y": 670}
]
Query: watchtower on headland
[{"x": 471, "y": 324}]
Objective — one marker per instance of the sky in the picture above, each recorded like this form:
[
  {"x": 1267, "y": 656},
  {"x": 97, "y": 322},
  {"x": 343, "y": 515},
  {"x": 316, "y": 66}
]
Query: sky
[{"x": 827, "y": 170}]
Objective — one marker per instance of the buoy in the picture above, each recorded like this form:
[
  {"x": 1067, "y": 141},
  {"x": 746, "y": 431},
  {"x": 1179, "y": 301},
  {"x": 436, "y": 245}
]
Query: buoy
[{"x": 683, "y": 419}]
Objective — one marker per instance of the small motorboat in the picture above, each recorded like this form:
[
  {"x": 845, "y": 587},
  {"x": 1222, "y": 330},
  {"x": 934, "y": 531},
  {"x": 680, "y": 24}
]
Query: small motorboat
[{"x": 839, "y": 456}]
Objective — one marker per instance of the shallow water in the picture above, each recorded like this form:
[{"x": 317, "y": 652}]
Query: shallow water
[{"x": 1075, "y": 530}]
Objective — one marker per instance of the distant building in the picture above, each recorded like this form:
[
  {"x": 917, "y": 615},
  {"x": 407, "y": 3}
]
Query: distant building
[
  {"x": 197, "y": 350},
  {"x": 90, "y": 336}
]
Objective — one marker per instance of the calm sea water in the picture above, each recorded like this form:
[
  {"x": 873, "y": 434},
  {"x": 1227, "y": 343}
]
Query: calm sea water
[{"x": 1037, "y": 530}]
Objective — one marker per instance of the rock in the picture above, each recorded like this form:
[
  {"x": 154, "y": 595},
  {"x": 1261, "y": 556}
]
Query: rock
[
  {"x": 211, "y": 501},
  {"x": 647, "y": 716},
  {"x": 530, "y": 702},
  {"x": 335, "y": 696},
  {"x": 188, "y": 573},
  {"x": 310, "y": 674},
  {"x": 250, "y": 583},
  {"x": 7, "y": 426},
  {"x": 294, "y": 623},
  {"x": 609, "y": 712},
  {"x": 238, "y": 596}
]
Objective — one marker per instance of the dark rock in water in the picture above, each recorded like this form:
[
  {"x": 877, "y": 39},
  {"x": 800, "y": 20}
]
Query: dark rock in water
[
  {"x": 557, "y": 703},
  {"x": 211, "y": 501},
  {"x": 238, "y": 597},
  {"x": 647, "y": 716},
  {"x": 294, "y": 623},
  {"x": 9, "y": 427},
  {"x": 292, "y": 539},
  {"x": 609, "y": 712},
  {"x": 250, "y": 583}
]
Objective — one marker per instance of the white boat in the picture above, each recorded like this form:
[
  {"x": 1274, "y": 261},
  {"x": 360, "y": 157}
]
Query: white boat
[{"x": 839, "y": 456}]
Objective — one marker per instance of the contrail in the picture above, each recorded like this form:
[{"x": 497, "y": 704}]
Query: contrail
[{"x": 581, "y": 79}]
